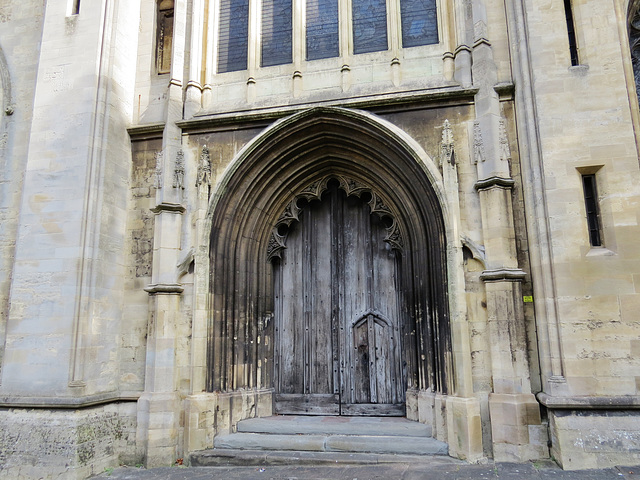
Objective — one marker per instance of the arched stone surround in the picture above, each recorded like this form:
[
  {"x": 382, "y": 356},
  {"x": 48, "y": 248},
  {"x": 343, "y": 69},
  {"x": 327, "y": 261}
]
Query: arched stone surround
[
  {"x": 249, "y": 202},
  {"x": 245, "y": 205}
]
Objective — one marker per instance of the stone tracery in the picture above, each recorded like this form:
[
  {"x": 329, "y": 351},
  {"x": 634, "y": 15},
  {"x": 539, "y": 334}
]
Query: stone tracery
[{"x": 314, "y": 191}]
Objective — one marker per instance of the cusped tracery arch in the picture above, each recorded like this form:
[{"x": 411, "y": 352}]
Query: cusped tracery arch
[{"x": 378, "y": 206}]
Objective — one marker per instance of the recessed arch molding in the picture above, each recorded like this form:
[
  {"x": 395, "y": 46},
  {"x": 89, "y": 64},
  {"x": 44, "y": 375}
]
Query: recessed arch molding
[{"x": 296, "y": 158}]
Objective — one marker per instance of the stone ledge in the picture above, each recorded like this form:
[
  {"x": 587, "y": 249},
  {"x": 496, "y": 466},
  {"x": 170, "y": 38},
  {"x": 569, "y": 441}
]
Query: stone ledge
[
  {"x": 426, "y": 96},
  {"x": 148, "y": 131},
  {"x": 168, "y": 207},
  {"x": 164, "y": 288},
  {"x": 14, "y": 401},
  {"x": 622, "y": 402},
  {"x": 503, "y": 275},
  {"x": 492, "y": 182}
]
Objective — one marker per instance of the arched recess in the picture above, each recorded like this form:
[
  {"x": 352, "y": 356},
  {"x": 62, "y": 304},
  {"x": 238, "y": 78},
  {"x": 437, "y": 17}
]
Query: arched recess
[{"x": 256, "y": 193}]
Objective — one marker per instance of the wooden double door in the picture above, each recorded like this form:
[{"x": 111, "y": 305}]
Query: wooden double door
[{"x": 338, "y": 313}]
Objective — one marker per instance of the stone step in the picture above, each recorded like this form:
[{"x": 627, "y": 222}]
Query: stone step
[
  {"x": 231, "y": 457},
  {"x": 333, "y": 443},
  {"x": 334, "y": 425}
]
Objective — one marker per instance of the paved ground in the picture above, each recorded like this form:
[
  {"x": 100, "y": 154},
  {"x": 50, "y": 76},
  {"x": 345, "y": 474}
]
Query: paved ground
[{"x": 400, "y": 471}]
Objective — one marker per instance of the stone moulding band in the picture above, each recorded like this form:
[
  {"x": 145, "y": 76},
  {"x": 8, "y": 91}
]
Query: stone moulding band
[
  {"x": 68, "y": 402},
  {"x": 164, "y": 288},
  {"x": 168, "y": 207},
  {"x": 619, "y": 402},
  {"x": 503, "y": 275},
  {"x": 491, "y": 182},
  {"x": 207, "y": 120}
]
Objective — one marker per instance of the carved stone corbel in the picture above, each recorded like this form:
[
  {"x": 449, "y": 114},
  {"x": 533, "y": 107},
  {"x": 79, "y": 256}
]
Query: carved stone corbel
[
  {"x": 178, "y": 174},
  {"x": 505, "y": 150},
  {"x": 478, "y": 144},
  {"x": 446, "y": 146},
  {"x": 159, "y": 169},
  {"x": 204, "y": 168}
]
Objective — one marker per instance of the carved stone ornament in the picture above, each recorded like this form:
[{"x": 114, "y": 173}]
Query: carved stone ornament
[
  {"x": 158, "y": 172},
  {"x": 277, "y": 243},
  {"x": 178, "y": 174},
  {"x": 446, "y": 147},
  {"x": 315, "y": 190},
  {"x": 478, "y": 145},
  {"x": 505, "y": 151},
  {"x": 394, "y": 236},
  {"x": 204, "y": 168},
  {"x": 352, "y": 187}
]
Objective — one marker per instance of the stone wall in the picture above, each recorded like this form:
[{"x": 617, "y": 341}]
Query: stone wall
[
  {"x": 595, "y": 439},
  {"x": 20, "y": 34},
  {"x": 66, "y": 444}
]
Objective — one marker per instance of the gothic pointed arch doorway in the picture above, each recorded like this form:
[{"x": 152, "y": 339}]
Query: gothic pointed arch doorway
[{"x": 281, "y": 287}]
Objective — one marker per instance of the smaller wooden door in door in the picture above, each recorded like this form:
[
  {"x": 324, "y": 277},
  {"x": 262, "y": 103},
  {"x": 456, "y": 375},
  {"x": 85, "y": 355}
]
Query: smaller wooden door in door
[
  {"x": 338, "y": 313},
  {"x": 373, "y": 381}
]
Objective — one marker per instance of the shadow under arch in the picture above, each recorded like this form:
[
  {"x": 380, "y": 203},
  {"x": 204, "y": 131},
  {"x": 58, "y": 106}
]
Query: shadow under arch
[{"x": 250, "y": 199}]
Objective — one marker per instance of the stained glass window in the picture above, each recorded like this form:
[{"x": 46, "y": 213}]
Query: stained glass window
[
  {"x": 419, "y": 22},
  {"x": 233, "y": 38},
  {"x": 322, "y": 29},
  {"x": 369, "y": 26},
  {"x": 276, "y": 32}
]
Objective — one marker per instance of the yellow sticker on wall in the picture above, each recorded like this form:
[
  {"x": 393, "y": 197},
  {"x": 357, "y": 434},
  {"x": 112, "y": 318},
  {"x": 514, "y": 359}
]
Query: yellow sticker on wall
[{"x": 527, "y": 299}]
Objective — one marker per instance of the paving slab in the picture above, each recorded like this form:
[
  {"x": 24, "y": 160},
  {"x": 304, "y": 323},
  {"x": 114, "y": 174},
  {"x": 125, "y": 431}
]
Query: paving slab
[
  {"x": 630, "y": 473},
  {"x": 395, "y": 471}
]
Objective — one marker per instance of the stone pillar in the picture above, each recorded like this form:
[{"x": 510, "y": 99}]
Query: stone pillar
[
  {"x": 193, "y": 97},
  {"x": 463, "y": 424},
  {"x": 517, "y": 431},
  {"x": 160, "y": 405}
]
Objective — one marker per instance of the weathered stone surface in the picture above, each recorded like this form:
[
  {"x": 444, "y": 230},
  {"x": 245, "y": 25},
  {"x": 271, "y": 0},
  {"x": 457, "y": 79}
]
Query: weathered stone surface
[{"x": 137, "y": 202}]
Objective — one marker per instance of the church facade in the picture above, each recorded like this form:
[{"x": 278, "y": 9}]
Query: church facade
[{"x": 214, "y": 210}]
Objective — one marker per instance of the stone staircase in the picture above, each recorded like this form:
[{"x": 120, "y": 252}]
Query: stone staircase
[{"x": 311, "y": 440}]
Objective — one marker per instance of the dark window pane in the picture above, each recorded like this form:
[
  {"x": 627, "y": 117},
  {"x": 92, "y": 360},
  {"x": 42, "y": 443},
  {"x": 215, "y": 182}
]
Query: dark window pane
[
  {"x": 591, "y": 205},
  {"x": 573, "y": 45},
  {"x": 369, "y": 26},
  {"x": 322, "y": 29},
  {"x": 276, "y": 32},
  {"x": 234, "y": 28},
  {"x": 419, "y": 22}
]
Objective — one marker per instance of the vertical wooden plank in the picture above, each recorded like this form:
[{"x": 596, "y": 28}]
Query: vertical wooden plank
[
  {"x": 339, "y": 306},
  {"x": 277, "y": 311},
  {"x": 321, "y": 311},
  {"x": 308, "y": 229},
  {"x": 373, "y": 356},
  {"x": 361, "y": 376}
]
